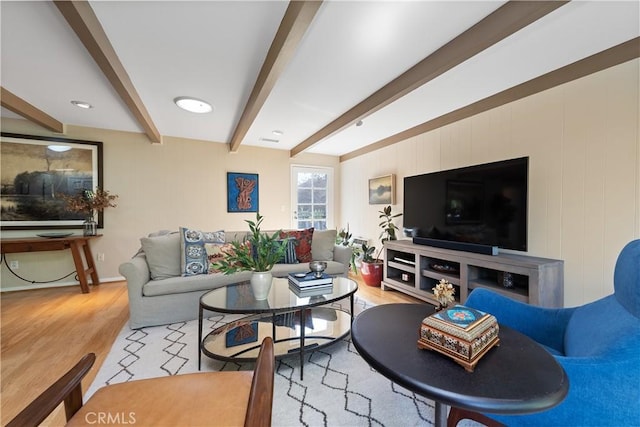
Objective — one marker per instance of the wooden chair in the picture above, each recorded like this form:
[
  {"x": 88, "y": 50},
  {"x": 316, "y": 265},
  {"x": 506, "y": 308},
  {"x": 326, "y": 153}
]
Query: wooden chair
[{"x": 207, "y": 398}]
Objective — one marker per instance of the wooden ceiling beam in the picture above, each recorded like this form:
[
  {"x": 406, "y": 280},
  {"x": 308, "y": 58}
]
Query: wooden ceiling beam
[
  {"x": 29, "y": 112},
  {"x": 503, "y": 22},
  {"x": 608, "y": 58},
  {"x": 294, "y": 25},
  {"x": 84, "y": 22}
]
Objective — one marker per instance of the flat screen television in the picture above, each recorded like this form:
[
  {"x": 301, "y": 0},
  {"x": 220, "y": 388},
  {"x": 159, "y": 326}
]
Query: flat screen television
[{"x": 483, "y": 204}]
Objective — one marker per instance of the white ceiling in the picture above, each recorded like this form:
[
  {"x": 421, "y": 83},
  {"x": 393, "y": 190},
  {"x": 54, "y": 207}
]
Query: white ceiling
[{"x": 214, "y": 50}]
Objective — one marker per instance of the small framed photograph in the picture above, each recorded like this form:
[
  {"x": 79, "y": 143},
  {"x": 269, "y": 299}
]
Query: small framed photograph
[
  {"x": 242, "y": 192},
  {"x": 382, "y": 190},
  {"x": 37, "y": 171},
  {"x": 242, "y": 334}
]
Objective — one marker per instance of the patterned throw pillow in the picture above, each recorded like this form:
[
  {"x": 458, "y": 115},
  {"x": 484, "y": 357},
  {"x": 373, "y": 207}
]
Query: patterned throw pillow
[
  {"x": 215, "y": 252},
  {"x": 289, "y": 256},
  {"x": 303, "y": 240},
  {"x": 193, "y": 258}
]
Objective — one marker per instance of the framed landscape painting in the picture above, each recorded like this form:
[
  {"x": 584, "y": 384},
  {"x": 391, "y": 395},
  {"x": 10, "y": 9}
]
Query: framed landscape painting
[
  {"x": 36, "y": 171},
  {"x": 242, "y": 192},
  {"x": 381, "y": 190}
]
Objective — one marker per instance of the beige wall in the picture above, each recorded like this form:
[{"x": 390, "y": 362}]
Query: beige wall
[
  {"x": 179, "y": 183},
  {"x": 583, "y": 143}
]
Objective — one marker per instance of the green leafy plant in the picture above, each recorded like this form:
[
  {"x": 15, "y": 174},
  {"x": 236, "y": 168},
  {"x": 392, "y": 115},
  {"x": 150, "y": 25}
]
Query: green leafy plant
[
  {"x": 367, "y": 253},
  {"x": 257, "y": 252},
  {"x": 345, "y": 238},
  {"x": 388, "y": 227}
]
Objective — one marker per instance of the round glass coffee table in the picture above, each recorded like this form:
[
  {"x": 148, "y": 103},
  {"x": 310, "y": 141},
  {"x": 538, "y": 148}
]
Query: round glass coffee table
[{"x": 280, "y": 316}]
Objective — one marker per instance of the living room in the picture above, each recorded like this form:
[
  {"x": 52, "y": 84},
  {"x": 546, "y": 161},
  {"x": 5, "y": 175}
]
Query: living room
[
  {"x": 583, "y": 191},
  {"x": 582, "y": 139}
]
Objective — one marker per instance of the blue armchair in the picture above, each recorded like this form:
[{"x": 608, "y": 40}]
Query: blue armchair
[{"x": 598, "y": 345}]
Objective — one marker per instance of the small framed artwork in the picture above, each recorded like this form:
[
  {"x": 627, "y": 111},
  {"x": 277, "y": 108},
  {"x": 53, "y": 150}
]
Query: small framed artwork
[
  {"x": 382, "y": 190},
  {"x": 242, "y": 192},
  {"x": 37, "y": 171},
  {"x": 242, "y": 334}
]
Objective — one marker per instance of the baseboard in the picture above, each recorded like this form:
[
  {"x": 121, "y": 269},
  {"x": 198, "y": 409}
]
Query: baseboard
[
  {"x": 457, "y": 246},
  {"x": 56, "y": 284}
]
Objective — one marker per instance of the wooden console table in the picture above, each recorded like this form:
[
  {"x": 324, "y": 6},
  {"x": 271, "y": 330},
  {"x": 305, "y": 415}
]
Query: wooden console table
[{"x": 77, "y": 244}]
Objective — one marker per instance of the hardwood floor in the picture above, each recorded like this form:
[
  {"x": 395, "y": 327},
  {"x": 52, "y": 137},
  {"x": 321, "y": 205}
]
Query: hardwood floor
[{"x": 44, "y": 332}]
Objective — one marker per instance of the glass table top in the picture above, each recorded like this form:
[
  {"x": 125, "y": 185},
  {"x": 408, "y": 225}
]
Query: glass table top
[{"x": 238, "y": 298}]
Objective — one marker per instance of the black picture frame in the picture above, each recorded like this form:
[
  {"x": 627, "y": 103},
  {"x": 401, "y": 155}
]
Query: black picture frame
[
  {"x": 242, "y": 192},
  {"x": 35, "y": 170}
]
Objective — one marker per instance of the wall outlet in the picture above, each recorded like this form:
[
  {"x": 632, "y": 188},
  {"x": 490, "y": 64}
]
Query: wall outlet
[
  {"x": 100, "y": 256},
  {"x": 14, "y": 265}
]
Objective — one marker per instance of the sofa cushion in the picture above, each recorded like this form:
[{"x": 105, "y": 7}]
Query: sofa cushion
[
  {"x": 303, "y": 242},
  {"x": 322, "y": 245},
  {"x": 194, "y": 283},
  {"x": 193, "y": 255},
  {"x": 289, "y": 256},
  {"x": 235, "y": 236},
  {"x": 163, "y": 255}
]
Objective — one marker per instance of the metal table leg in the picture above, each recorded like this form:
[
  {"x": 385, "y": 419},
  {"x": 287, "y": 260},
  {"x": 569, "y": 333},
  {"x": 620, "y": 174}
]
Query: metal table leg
[
  {"x": 441, "y": 414},
  {"x": 200, "y": 338},
  {"x": 303, "y": 321}
]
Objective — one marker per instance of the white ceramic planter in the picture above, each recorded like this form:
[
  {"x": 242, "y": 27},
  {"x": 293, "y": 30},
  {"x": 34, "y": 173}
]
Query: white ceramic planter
[{"x": 261, "y": 284}]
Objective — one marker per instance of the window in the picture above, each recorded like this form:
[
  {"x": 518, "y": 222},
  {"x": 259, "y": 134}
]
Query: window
[{"x": 311, "y": 197}]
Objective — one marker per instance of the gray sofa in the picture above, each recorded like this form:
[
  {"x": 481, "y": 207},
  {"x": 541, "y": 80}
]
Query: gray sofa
[{"x": 160, "y": 294}]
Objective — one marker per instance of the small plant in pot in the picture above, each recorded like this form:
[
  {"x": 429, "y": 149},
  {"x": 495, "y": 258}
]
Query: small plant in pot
[
  {"x": 345, "y": 238},
  {"x": 258, "y": 252},
  {"x": 372, "y": 267}
]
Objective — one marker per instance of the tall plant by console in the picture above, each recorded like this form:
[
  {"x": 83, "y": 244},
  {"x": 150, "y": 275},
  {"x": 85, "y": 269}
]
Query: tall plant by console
[
  {"x": 258, "y": 252},
  {"x": 371, "y": 267}
]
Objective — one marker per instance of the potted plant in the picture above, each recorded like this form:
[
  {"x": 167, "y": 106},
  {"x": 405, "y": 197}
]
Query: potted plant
[
  {"x": 372, "y": 267},
  {"x": 345, "y": 238},
  {"x": 258, "y": 252},
  {"x": 88, "y": 203}
]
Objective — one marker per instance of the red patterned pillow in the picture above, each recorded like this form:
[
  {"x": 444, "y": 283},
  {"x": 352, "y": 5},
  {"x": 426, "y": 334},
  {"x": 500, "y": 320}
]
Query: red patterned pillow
[{"x": 303, "y": 242}]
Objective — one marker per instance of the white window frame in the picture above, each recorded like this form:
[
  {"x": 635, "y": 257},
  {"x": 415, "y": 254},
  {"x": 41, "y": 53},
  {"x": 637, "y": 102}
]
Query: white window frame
[{"x": 330, "y": 203}]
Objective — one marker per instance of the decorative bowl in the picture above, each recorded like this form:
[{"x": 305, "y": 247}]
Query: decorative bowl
[{"x": 317, "y": 267}]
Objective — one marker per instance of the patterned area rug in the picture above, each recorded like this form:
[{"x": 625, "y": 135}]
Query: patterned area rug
[{"x": 339, "y": 387}]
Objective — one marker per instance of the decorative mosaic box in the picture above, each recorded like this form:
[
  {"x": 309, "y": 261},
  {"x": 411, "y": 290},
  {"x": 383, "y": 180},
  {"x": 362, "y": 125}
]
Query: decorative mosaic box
[{"x": 462, "y": 333}]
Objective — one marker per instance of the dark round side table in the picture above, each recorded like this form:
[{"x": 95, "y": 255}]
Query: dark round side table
[{"x": 517, "y": 377}]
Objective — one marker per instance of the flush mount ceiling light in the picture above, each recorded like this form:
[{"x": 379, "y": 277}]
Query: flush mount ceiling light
[
  {"x": 193, "y": 105},
  {"x": 274, "y": 141},
  {"x": 82, "y": 104},
  {"x": 59, "y": 148}
]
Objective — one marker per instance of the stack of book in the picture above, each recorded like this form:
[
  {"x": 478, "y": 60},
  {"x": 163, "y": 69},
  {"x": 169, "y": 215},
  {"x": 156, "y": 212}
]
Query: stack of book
[{"x": 305, "y": 285}]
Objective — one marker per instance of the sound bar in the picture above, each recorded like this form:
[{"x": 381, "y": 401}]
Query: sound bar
[{"x": 457, "y": 246}]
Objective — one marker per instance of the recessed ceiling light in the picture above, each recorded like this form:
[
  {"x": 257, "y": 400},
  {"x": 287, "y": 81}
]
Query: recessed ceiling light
[
  {"x": 59, "y": 148},
  {"x": 82, "y": 104},
  {"x": 193, "y": 105},
  {"x": 277, "y": 132}
]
